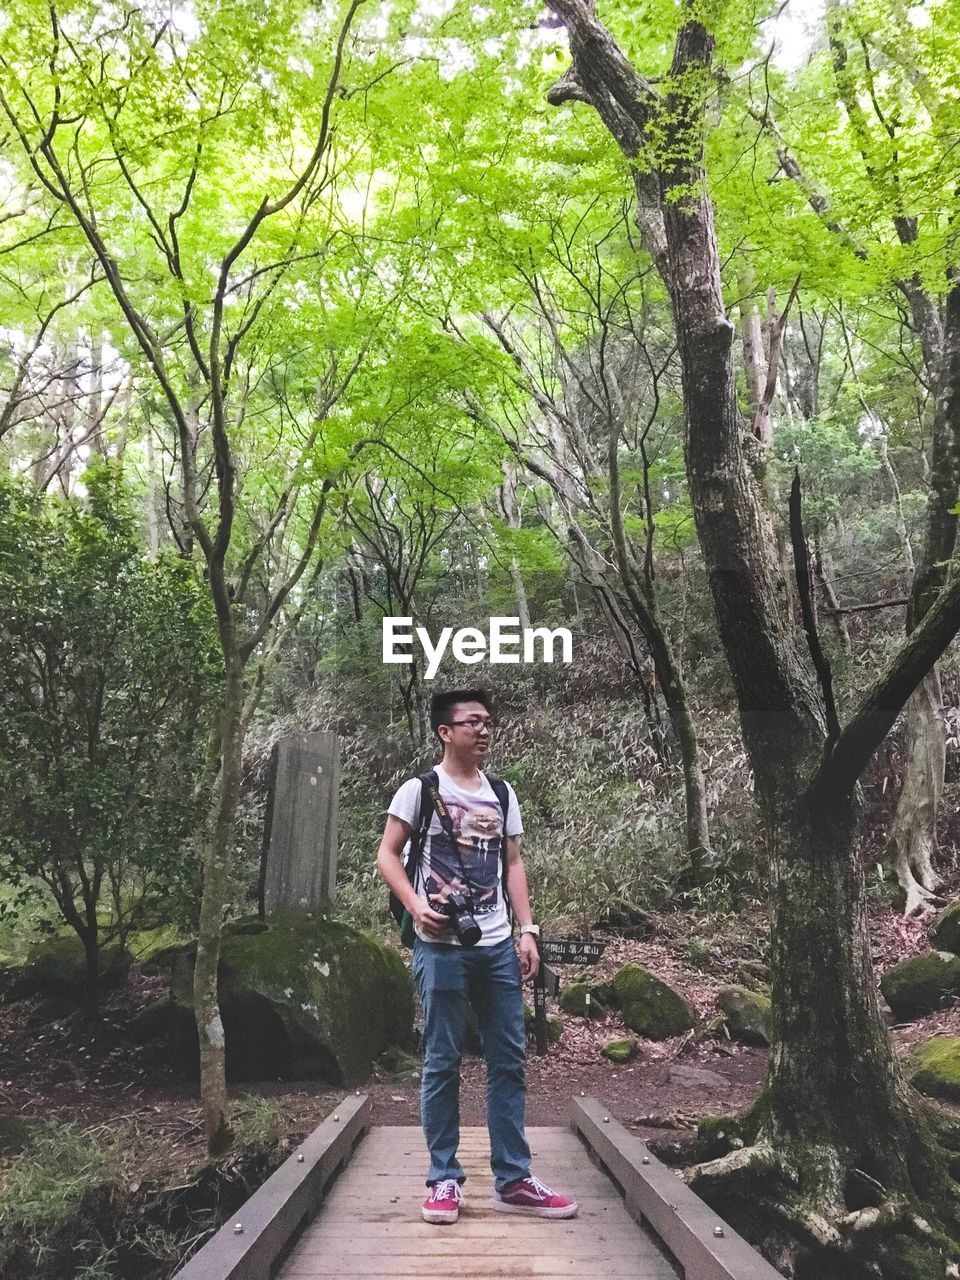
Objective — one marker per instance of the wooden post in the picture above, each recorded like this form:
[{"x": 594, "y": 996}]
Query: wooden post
[
  {"x": 540, "y": 1007},
  {"x": 300, "y": 862}
]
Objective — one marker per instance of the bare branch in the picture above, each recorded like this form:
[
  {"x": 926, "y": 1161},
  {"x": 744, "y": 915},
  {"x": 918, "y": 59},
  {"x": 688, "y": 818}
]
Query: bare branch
[{"x": 883, "y": 702}]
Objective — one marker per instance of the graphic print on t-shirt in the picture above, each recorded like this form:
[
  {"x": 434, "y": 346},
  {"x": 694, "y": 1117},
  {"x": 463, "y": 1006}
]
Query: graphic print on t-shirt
[{"x": 478, "y": 828}]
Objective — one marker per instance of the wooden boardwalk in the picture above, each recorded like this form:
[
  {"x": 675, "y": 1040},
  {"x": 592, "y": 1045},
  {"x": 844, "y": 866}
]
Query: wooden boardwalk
[{"x": 370, "y": 1222}]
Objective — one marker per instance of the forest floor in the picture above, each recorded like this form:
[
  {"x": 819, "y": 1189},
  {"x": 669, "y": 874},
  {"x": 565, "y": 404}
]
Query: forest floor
[{"x": 95, "y": 1075}]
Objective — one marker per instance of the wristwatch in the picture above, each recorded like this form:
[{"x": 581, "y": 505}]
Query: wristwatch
[{"x": 531, "y": 928}]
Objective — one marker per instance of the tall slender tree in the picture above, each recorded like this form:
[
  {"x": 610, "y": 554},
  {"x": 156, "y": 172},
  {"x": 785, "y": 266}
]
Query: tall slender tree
[{"x": 147, "y": 124}]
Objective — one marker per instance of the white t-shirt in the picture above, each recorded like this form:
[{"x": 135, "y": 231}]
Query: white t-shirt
[{"x": 478, "y": 827}]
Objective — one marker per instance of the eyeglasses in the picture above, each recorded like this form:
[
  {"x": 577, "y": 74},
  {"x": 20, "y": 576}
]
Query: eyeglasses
[{"x": 476, "y": 723}]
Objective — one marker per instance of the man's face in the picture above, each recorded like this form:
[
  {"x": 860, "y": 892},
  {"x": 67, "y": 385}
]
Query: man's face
[{"x": 470, "y": 729}]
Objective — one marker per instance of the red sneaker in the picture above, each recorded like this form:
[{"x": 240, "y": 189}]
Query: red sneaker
[
  {"x": 534, "y": 1198},
  {"x": 444, "y": 1202}
]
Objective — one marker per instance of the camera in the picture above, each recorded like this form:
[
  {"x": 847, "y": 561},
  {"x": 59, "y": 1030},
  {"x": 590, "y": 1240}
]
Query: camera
[{"x": 455, "y": 908}]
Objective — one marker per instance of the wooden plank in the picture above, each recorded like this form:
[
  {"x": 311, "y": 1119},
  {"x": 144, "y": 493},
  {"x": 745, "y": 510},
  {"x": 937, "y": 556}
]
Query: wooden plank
[
  {"x": 685, "y": 1224},
  {"x": 276, "y": 1210},
  {"x": 370, "y": 1224},
  {"x": 344, "y": 1262},
  {"x": 520, "y": 1229}
]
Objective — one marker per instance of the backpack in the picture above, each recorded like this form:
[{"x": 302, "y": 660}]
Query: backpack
[{"x": 430, "y": 782}]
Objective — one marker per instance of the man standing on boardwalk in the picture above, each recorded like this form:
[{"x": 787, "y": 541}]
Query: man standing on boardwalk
[{"x": 469, "y": 869}]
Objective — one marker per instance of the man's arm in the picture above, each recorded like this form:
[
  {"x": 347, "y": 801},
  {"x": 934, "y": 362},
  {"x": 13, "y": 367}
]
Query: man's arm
[
  {"x": 518, "y": 891},
  {"x": 390, "y": 865}
]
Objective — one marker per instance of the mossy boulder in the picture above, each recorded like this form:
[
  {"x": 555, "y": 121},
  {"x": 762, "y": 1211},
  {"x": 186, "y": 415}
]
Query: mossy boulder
[
  {"x": 921, "y": 983},
  {"x": 650, "y": 1007},
  {"x": 573, "y": 999},
  {"x": 934, "y": 1067},
  {"x": 945, "y": 936},
  {"x": 304, "y": 998},
  {"x": 57, "y": 966},
  {"x": 747, "y": 1014},
  {"x": 620, "y": 1051}
]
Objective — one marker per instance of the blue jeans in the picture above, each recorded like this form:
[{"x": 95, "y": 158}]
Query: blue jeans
[{"x": 450, "y": 979}]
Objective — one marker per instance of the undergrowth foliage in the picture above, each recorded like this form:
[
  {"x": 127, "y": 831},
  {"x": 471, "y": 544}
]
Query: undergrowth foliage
[
  {"x": 75, "y": 1202},
  {"x": 600, "y": 804}
]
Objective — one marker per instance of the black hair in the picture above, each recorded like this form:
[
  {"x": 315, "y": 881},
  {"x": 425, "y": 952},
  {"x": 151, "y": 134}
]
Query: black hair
[{"x": 442, "y": 704}]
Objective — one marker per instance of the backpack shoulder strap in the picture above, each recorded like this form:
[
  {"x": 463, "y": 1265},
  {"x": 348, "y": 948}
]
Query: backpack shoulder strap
[
  {"x": 419, "y": 835},
  {"x": 502, "y": 792}
]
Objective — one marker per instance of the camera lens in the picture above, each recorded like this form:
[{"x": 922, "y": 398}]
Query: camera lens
[
  {"x": 467, "y": 930},
  {"x": 461, "y": 921}
]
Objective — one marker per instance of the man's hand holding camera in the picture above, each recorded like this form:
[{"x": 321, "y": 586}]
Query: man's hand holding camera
[{"x": 428, "y": 921}]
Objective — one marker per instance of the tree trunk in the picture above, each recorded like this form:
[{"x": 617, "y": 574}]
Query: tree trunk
[
  {"x": 91, "y": 981},
  {"x": 823, "y": 568},
  {"x": 411, "y": 691},
  {"x": 218, "y": 841},
  {"x": 913, "y": 834},
  {"x": 512, "y": 515},
  {"x": 674, "y": 690},
  {"x": 637, "y": 602},
  {"x": 639, "y": 663},
  {"x": 752, "y": 337},
  {"x": 837, "y": 1133},
  {"x": 841, "y": 1152},
  {"x": 912, "y": 840},
  {"x": 832, "y": 1080},
  {"x": 153, "y": 531}
]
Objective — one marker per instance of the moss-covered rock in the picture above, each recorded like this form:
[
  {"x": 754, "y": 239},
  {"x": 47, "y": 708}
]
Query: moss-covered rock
[
  {"x": 747, "y": 1014},
  {"x": 921, "y": 983},
  {"x": 620, "y": 1050},
  {"x": 934, "y": 1067},
  {"x": 946, "y": 934},
  {"x": 304, "y": 998},
  {"x": 573, "y": 1000},
  {"x": 650, "y": 1007},
  {"x": 57, "y": 966}
]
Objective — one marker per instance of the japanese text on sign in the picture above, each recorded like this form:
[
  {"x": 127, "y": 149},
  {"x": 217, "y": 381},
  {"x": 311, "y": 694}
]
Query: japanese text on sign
[{"x": 570, "y": 951}]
